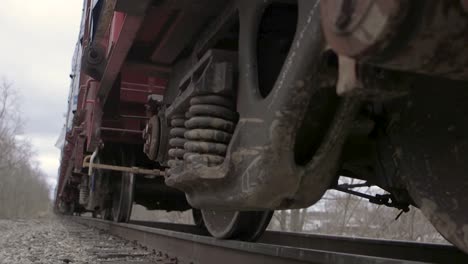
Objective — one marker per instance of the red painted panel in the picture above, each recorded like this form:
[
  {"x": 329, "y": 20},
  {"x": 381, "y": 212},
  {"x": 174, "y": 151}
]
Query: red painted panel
[
  {"x": 133, "y": 96},
  {"x": 118, "y": 53},
  {"x": 116, "y": 27}
]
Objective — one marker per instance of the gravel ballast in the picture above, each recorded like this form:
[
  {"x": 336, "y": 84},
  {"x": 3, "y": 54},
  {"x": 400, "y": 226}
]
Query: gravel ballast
[{"x": 56, "y": 240}]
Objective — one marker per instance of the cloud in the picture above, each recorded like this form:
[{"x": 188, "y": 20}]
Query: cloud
[
  {"x": 47, "y": 155},
  {"x": 35, "y": 54}
]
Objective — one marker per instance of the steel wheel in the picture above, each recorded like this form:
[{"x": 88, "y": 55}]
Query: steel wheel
[
  {"x": 246, "y": 226},
  {"x": 123, "y": 185},
  {"x": 103, "y": 203},
  {"x": 286, "y": 148},
  {"x": 122, "y": 201}
]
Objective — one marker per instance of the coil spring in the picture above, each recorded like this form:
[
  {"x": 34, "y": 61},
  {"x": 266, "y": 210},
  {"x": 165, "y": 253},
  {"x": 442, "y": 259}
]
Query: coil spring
[
  {"x": 209, "y": 129},
  {"x": 176, "y": 141},
  {"x": 84, "y": 192}
]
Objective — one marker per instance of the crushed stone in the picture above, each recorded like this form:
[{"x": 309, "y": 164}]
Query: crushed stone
[{"x": 56, "y": 240}]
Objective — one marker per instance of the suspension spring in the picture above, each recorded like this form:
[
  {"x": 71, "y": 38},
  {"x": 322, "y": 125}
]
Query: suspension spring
[
  {"x": 209, "y": 129},
  {"x": 176, "y": 141}
]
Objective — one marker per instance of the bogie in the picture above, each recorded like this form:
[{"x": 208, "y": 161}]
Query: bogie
[{"x": 249, "y": 106}]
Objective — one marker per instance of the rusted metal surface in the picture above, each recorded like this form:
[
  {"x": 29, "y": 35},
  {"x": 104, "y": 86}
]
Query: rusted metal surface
[
  {"x": 367, "y": 82},
  {"x": 185, "y": 20},
  {"x": 412, "y": 251},
  {"x": 191, "y": 248},
  {"x": 269, "y": 63},
  {"x": 152, "y": 137},
  {"x": 357, "y": 28},
  {"x": 213, "y": 73},
  {"x": 418, "y": 36},
  {"x": 127, "y": 32},
  {"x": 115, "y": 80},
  {"x": 427, "y": 252},
  {"x": 426, "y": 37},
  {"x": 260, "y": 170},
  {"x": 155, "y": 132},
  {"x": 425, "y": 146}
]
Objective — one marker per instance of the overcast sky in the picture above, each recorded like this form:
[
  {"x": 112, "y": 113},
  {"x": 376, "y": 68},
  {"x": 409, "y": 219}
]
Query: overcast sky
[{"x": 37, "y": 40}]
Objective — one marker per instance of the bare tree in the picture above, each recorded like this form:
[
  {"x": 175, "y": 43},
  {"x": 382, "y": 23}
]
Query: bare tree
[
  {"x": 23, "y": 191},
  {"x": 338, "y": 213}
]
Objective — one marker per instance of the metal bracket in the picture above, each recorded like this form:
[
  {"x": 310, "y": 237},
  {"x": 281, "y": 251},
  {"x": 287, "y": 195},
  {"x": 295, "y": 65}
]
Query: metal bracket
[
  {"x": 348, "y": 79},
  {"x": 136, "y": 170},
  {"x": 369, "y": 82},
  {"x": 380, "y": 199}
]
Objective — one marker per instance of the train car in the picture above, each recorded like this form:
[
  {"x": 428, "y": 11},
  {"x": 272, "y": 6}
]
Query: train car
[{"x": 236, "y": 108}]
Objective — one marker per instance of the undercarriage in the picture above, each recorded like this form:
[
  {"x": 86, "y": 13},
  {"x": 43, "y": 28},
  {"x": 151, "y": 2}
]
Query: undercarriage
[{"x": 268, "y": 103}]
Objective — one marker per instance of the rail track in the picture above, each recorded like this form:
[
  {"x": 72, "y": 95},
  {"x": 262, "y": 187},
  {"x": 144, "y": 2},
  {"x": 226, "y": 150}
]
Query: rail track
[
  {"x": 188, "y": 244},
  {"x": 103, "y": 248}
]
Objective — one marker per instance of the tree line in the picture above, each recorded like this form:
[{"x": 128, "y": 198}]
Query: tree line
[
  {"x": 343, "y": 214},
  {"x": 23, "y": 190}
]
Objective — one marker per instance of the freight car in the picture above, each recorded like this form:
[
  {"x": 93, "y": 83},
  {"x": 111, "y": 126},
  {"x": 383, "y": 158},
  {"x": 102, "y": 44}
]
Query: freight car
[{"x": 241, "y": 107}]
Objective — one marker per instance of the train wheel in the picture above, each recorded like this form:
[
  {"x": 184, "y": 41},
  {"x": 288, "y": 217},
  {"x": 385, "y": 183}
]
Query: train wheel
[
  {"x": 73, "y": 208},
  {"x": 246, "y": 226},
  {"x": 106, "y": 211},
  {"x": 122, "y": 201},
  {"x": 122, "y": 184}
]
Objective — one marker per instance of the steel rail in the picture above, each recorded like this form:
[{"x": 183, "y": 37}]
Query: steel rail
[
  {"x": 192, "y": 245},
  {"x": 426, "y": 252}
]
